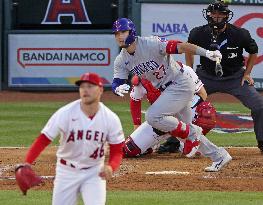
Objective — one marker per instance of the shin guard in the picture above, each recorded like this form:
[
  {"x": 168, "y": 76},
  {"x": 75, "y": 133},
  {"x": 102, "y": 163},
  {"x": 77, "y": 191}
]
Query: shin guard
[{"x": 182, "y": 130}]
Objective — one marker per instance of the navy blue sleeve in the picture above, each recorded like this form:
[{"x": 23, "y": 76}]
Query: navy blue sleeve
[{"x": 116, "y": 83}]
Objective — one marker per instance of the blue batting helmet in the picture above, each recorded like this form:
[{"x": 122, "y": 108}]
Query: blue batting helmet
[{"x": 124, "y": 24}]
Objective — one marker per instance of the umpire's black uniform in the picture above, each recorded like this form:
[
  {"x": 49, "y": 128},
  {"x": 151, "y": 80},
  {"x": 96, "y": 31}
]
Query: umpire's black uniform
[{"x": 231, "y": 44}]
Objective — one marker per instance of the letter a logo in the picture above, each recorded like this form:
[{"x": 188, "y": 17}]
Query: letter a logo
[{"x": 74, "y": 8}]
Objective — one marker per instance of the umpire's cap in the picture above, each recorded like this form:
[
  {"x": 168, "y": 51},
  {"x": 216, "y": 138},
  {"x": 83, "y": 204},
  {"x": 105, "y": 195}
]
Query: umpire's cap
[{"x": 92, "y": 78}]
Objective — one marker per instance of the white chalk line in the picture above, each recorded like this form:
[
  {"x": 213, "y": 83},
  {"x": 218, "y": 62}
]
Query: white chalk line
[
  {"x": 22, "y": 147},
  {"x": 155, "y": 173},
  {"x": 2, "y": 178},
  {"x": 210, "y": 176},
  {"x": 57, "y": 146},
  {"x": 229, "y": 177},
  {"x": 13, "y": 178},
  {"x": 167, "y": 173}
]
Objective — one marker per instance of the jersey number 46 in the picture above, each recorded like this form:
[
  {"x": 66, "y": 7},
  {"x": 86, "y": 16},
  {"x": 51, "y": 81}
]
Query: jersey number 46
[{"x": 99, "y": 152}]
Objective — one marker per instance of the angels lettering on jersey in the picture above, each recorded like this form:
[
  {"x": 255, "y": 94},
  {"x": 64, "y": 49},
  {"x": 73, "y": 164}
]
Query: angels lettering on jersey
[{"x": 89, "y": 135}]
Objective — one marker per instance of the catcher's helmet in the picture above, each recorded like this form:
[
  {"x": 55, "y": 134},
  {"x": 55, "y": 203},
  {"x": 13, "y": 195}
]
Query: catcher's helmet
[
  {"x": 124, "y": 24},
  {"x": 205, "y": 116},
  {"x": 220, "y": 7}
]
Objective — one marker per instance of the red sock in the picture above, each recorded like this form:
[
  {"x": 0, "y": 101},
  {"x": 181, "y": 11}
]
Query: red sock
[{"x": 135, "y": 108}]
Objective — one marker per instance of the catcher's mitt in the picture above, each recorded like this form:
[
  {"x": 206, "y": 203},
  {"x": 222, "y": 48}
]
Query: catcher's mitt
[
  {"x": 206, "y": 116},
  {"x": 26, "y": 177}
]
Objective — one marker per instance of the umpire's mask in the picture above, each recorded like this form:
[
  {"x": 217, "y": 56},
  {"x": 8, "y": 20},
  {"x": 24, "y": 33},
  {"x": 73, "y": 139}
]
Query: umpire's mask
[{"x": 217, "y": 15}]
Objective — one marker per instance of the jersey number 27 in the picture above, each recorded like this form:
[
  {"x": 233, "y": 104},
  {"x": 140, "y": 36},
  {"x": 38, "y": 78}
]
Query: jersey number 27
[{"x": 160, "y": 72}]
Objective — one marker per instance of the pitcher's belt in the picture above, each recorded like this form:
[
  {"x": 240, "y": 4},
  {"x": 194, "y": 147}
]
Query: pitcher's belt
[{"x": 64, "y": 162}]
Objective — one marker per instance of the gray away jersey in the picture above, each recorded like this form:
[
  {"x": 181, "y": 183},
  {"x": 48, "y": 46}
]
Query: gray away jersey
[{"x": 149, "y": 61}]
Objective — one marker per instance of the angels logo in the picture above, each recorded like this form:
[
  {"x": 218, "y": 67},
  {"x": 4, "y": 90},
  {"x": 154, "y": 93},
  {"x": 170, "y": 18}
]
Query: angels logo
[
  {"x": 244, "y": 19},
  {"x": 229, "y": 122},
  {"x": 59, "y": 8}
]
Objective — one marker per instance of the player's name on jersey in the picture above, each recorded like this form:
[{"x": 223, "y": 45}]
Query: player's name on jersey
[
  {"x": 89, "y": 135},
  {"x": 144, "y": 67}
]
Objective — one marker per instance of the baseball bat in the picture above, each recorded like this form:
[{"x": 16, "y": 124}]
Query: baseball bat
[{"x": 218, "y": 68}]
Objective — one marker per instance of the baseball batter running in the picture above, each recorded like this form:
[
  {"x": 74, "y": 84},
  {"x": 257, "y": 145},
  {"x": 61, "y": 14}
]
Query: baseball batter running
[
  {"x": 149, "y": 58},
  {"x": 203, "y": 114},
  {"x": 84, "y": 126}
]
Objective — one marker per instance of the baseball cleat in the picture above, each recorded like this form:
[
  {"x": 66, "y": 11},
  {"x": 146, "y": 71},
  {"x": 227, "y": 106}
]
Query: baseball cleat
[
  {"x": 218, "y": 165},
  {"x": 191, "y": 148}
]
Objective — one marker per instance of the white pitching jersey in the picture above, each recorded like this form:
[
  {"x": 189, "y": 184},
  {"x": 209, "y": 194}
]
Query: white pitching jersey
[
  {"x": 82, "y": 140},
  {"x": 150, "y": 61},
  {"x": 139, "y": 91}
]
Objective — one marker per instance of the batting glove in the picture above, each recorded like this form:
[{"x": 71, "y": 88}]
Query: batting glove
[
  {"x": 213, "y": 55},
  {"x": 122, "y": 89}
]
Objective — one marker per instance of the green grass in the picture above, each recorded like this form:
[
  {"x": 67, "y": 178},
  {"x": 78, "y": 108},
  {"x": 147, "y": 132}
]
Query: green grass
[
  {"x": 238, "y": 107},
  {"x": 145, "y": 198},
  {"x": 235, "y": 140},
  {"x": 20, "y": 123}
]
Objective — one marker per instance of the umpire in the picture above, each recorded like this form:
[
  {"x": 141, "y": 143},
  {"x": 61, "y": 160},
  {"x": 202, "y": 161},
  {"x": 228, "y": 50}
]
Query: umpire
[{"x": 233, "y": 77}]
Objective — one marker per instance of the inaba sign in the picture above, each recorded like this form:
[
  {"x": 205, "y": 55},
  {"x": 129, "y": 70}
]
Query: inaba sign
[{"x": 168, "y": 29}]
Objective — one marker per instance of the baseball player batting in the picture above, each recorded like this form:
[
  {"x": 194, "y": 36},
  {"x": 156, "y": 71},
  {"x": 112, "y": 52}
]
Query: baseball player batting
[
  {"x": 84, "y": 130},
  {"x": 203, "y": 114},
  {"x": 149, "y": 58}
]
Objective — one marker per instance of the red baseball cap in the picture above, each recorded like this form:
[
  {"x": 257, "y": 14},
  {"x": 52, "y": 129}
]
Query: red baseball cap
[{"x": 92, "y": 78}]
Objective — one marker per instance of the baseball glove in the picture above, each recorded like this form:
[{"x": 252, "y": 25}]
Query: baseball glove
[
  {"x": 26, "y": 177},
  {"x": 206, "y": 116}
]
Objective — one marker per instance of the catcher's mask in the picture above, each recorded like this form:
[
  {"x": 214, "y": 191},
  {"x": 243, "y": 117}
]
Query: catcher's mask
[{"x": 217, "y": 23}]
